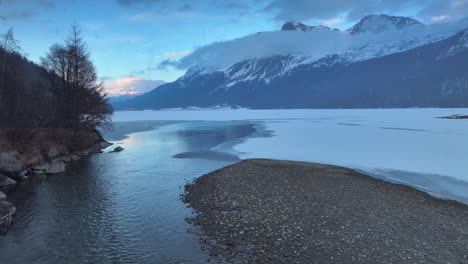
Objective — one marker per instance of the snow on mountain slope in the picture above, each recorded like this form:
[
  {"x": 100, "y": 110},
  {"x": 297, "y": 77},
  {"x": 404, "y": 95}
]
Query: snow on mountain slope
[
  {"x": 410, "y": 66},
  {"x": 378, "y": 36},
  {"x": 297, "y": 26},
  {"x": 380, "y": 23}
]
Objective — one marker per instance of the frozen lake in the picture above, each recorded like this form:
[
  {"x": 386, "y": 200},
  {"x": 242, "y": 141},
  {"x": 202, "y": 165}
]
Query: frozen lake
[
  {"x": 410, "y": 146},
  {"x": 125, "y": 207}
]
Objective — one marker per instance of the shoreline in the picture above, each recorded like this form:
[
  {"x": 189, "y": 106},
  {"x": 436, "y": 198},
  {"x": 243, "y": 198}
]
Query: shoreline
[
  {"x": 20, "y": 166},
  {"x": 123, "y": 129},
  {"x": 267, "y": 211}
]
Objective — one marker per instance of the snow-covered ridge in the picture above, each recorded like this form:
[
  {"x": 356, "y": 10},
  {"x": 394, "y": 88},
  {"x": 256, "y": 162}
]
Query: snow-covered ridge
[
  {"x": 297, "y": 26},
  {"x": 344, "y": 47},
  {"x": 380, "y": 23}
]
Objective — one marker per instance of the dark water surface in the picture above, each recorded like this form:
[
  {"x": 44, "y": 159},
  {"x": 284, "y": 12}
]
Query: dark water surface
[{"x": 120, "y": 207}]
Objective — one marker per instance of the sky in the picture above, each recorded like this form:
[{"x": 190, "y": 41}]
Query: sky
[{"x": 130, "y": 40}]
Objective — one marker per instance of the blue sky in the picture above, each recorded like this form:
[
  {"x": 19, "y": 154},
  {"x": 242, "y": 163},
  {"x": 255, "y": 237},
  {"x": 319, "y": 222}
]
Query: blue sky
[{"x": 129, "y": 38}]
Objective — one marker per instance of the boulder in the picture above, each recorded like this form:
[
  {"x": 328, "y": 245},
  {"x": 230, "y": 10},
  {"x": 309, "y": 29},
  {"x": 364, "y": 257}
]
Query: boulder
[
  {"x": 56, "y": 166},
  {"x": 32, "y": 158},
  {"x": 22, "y": 177},
  {"x": 117, "y": 149},
  {"x": 104, "y": 144},
  {"x": 65, "y": 158},
  {"x": 83, "y": 153},
  {"x": 41, "y": 167},
  {"x": 7, "y": 206},
  {"x": 6, "y": 183},
  {"x": 10, "y": 166},
  {"x": 2, "y": 196},
  {"x": 53, "y": 152},
  {"x": 74, "y": 158}
]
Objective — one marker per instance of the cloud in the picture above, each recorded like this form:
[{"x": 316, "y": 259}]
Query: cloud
[
  {"x": 130, "y": 85},
  {"x": 158, "y": 5},
  {"x": 167, "y": 7},
  {"x": 153, "y": 16},
  {"x": 105, "y": 78},
  {"x": 165, "y": 64},
  {"x": 141, "y": 17},
  {"x": 23, "y": 9},
  {"x": 237, "y": 6},
  {"x": 185, "y": 8},
  {"x": 176, "y": 54},
  {"x": 445, "y": 11},
  {"x": 141, "y": 2},
  {"x": 266, "y": 44},
  {"x": 332, "y": 21},
  {"x": 439, "y": 19},
  {"x": 303, "y": 10},
  {"x": 240, "y": 20}
]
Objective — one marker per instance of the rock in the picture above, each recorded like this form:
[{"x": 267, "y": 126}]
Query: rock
[
  {"x": 67, "y": 158},
  {"x": 32, "y": 158},
  {"x": 7, "y": 210},
  {"x": 56, "y": 166},
  {"x": 74, "y": 158},
  {"x": 53, "y": 153},
  {"x": 6, "y": 183},
  {"x": 22, "y": 177},
  {"x": 2, "y": 196},
  {"x": 10, "y": 166},
  {"x": 83, "y": 153},
  {"x": 117, "y": 149},
  {"x": 41, "y": 168},
  {"x": 104, "y": 144},
  {"x": 5, "y": 205}
]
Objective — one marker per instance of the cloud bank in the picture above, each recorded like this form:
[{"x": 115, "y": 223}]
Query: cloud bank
[
  {"x": 23, "y": 9},
  {"x": 304, "y": 10},
  {"x": 312, "y": 44}
]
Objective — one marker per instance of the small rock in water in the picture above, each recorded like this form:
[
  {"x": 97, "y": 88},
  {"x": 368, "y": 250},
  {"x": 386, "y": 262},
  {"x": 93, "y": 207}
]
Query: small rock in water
[{"x": 117, "y": 149}]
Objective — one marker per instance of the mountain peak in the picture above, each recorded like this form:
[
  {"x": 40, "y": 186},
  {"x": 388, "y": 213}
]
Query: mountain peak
[
  {"x": 298, "y": 26},
  {"x": 380, "y": 23}
]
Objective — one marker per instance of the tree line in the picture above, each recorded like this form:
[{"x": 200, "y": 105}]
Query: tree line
[{"x": 62, "y": 92}]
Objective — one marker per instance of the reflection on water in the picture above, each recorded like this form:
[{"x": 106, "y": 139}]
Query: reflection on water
[{"x": 119, "y": 207}]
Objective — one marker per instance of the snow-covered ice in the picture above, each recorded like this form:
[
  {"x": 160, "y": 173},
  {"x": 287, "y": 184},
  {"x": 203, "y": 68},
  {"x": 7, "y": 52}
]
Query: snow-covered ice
[{"x": 404, "y": 145}]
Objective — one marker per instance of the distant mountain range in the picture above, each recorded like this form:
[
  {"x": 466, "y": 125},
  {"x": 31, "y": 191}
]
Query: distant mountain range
[
  {"x": 121, "y": 98},
  {"x": 392, "y": 62}
]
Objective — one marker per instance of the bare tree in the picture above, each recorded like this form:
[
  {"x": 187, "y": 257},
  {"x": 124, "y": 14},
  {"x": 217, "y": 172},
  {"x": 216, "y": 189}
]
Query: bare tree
[
  {"x": 74, "y": 83},
  {"x": 8, "y": 44}
]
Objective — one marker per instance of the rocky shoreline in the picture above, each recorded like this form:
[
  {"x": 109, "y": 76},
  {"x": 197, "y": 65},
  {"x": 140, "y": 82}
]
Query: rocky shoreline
[
  {"x": 266, "y": 211},
  {"x": 18, "y": 168}
]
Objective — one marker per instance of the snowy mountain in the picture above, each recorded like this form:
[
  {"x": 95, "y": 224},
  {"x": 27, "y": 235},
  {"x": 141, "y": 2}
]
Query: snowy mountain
[
  {"x": 381, "y": 23},
  {"x": 121, "y": 98},
  {"x": 382, "y": 61}
]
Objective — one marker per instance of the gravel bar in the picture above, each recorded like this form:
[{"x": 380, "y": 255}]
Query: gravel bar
[{"x": 267, "y": 211}]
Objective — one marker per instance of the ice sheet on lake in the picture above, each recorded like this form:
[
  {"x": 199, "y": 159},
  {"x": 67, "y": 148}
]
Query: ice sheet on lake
[{"x": 381, "y": 142}]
